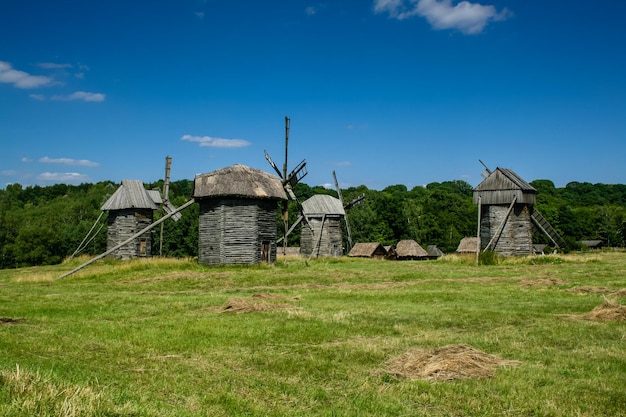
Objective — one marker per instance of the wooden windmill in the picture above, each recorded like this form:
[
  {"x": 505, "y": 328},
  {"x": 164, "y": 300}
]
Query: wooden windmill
[
  {"x": 289, "y": 181},
  {"x": 507, "y": 215}
]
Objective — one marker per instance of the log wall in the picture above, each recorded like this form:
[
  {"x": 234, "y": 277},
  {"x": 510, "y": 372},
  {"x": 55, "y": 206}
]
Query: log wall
[
  {"x": 122, "y": 224},
  {"x": 516, "y": 236},
  {"x": 237, "y": 231},
  {"x": 331, "y": 242}
]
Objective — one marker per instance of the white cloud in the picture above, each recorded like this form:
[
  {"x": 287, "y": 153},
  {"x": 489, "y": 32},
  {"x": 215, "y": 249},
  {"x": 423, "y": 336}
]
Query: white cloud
[
  {"x": 342, "y": 164},
  {"x": 26, "y": 159},
  {"x": 311, "y": 10},
  {"x": 199, "y": 15},
  {"x": 8, "y": 173},
  {"x": 63, "y": 177},
  {"x": 216, "y": 142},
  {"x": 21, "y": 79},
  {"x": 38, "y": 97},
  {"x": 53, "y": 65},
  {"x": 464, "y": 16},
  {"x": 69, "y": 161},
  {"x": 81, "y": 95}
]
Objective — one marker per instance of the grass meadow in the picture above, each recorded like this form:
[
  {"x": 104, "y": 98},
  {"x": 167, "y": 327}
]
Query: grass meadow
[{"x": 167, "y": 337}]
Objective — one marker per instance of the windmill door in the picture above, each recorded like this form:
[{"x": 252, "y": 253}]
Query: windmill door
[{"x": 265, "y": 251}]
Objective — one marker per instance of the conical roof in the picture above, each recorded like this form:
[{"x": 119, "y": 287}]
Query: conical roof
[
  {"x": 132, "y": 194},
  {"x": 238, "y": 181}
]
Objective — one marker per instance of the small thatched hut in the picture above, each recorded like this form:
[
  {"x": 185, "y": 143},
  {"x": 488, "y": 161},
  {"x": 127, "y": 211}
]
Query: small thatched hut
[
  {"x": 131, "y": 209},
  {"x": 592, "y": 244},
  {"x": 368, "y": 250},
  {"x": 321, "y": 234},
  {"x": 467, "y": 245},
  {"x": 434, "y": 252},
  {"x": 410, "y": 250},
  {"x": 238, "y": 213},
  {"x": 506, "y": 210}
]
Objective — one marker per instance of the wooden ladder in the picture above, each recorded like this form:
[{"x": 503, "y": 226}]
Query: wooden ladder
[{"x": 543, "y": 225}]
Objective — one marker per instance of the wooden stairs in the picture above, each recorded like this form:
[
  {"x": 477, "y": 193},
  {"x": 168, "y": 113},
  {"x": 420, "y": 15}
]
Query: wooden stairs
[{"x": 542, "y": 224}]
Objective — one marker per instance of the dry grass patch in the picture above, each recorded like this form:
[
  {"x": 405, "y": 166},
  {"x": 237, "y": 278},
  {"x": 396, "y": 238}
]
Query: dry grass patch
[
  {"x": 619, "y": 293},
  {"x": 10, "y": 320},
  {"x": 546, "y": 282},
  {"x": 609, "y": 311},
  {"x": 33, "y": 394},
  {"x": 258, "y": 302},
  {"x": 587, "y": 289},
  {"x": 445, "y": 363}
]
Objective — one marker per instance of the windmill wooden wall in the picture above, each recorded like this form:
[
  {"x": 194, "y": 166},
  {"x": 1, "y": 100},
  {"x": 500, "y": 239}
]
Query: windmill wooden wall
[
  {"x": 131, "y": 209},
  {"x": 237, "y": 231},
  {"x": 322, "y": 235},
  {"x": 238, "y": 214},
  {"x": 503, "y": 195},
  {"x": 124, "y": 223},
  {"x": 329, "y": 243}
]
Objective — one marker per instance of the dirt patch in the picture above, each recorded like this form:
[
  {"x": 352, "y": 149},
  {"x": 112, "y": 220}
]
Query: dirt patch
[
  {"x": 446, "y": 363},
  {"x": 609, "y": 311},
  {"x": 10, "y": 320},
  {"x": 257, "y": 302},
  {"x": 548, "y": 282},
  {"x": 587, "y": 289}
]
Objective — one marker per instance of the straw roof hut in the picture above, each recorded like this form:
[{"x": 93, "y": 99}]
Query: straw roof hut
[
  {"x": 368, "y": 250},
  {"x": 321, "y": 234},
  {"x": 130, "y": 210},
  {"x": 410, "y": 250},
  {"x": 592, "y": 244},
  {"x": 467, "y": 245},
  {"x": 434, "y": 252},
  {"x": 238, "y": 212}
]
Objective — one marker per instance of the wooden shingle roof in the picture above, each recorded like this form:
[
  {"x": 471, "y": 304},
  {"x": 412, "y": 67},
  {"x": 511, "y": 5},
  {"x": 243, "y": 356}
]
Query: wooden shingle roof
[
  {"x": 238, "y": 181},
  {"x": 501, "y": 186},
  {"x": 320, "y": 204},
  {"x": 132, "y": 194}
]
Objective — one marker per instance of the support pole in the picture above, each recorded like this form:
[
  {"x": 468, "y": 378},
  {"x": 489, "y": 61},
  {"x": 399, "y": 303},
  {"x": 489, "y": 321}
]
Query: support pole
[
  {"x": 478, "y": 231},
  {"x": 133, "y": 237}
]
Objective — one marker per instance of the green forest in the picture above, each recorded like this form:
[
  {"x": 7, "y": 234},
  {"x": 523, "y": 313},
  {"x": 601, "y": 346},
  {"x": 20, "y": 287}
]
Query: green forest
[{"x": 45, "y": 225}]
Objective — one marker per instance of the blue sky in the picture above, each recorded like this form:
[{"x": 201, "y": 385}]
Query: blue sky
[{"x": 383, "y": 92}]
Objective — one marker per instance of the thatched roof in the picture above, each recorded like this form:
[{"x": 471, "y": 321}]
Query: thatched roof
[
  {"x": 238, "y": 181},
  {"x": 132, "y": 194},
  {"x": 592, "y": 243},
  {"x": 410, "y": 249},
  {"x": 434, "y": 251},
  {"x": 500, "y": 187},
  {"x": 467, "y": 245},
  {"x": 321, "y": 204},
  {"x": 367, "y": 250}
]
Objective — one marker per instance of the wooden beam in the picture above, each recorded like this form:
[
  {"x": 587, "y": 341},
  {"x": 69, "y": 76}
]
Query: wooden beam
[{"x": 133, "y": 237}]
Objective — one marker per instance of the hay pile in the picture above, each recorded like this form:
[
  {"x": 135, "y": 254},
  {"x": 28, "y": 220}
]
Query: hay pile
[
  {"x": 620, "y": 293},
  {"x": 609, "y": 311},
  {"x": 547, "y": 282},
  {"x": 257, "y": 302},
  {"x": 587, "y": 289},
  {"x": 445, "y": 363}
]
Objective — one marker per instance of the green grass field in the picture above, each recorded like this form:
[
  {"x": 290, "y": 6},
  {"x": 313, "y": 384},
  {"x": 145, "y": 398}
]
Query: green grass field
[{"x": 166, "y": 337}]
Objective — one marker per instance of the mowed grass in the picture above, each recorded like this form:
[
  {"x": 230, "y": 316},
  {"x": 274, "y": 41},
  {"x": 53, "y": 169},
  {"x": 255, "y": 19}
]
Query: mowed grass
[{"x": 154, "y": 337}]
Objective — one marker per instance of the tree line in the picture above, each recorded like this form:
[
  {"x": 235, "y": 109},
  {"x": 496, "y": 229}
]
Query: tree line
[{"x": 44, "y": 225}]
